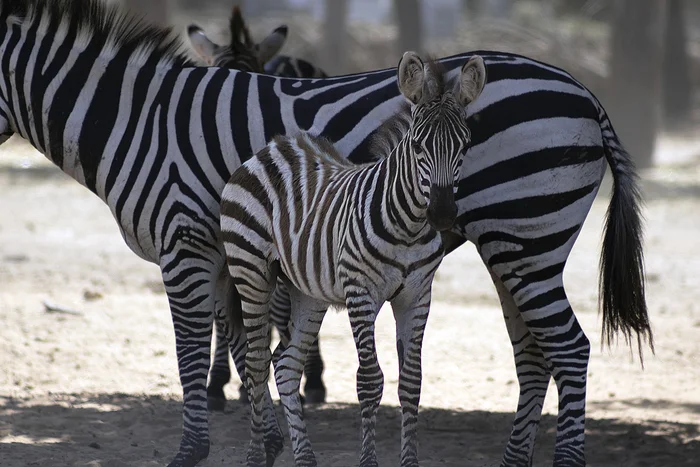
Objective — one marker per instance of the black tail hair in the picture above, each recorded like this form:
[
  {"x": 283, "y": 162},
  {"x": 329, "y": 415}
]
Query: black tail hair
[{"x": 621, "y": 284}]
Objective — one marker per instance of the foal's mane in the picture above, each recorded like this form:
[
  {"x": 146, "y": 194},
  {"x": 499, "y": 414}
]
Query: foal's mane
[{"x": 109, "y": 25}]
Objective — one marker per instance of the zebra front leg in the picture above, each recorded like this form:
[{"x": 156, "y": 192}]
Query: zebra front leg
[
  {"x": 533, "y": 378},
  {"x": 411, "y": 309},
  {"x": 220, "y": 372},
  {"x": 306, "y": 318},
  {"x": 191, "y": 299},
  {"x": 548, "y": 316},
  {"x": 370, "y": 379}
]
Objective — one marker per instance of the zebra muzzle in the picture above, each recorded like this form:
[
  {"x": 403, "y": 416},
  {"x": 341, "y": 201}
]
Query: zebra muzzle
[{"x": 442, "y": 208}]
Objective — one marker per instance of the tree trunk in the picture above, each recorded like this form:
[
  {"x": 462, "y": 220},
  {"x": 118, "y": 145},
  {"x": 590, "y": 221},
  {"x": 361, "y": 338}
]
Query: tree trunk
[
  {"x": 677, "y": 89},
  {"x": 335, "y": 34},
  {"x": 408, "y": 19},
  {"x": 635, "y": 81},
  {"x": 153, "y": 10}
]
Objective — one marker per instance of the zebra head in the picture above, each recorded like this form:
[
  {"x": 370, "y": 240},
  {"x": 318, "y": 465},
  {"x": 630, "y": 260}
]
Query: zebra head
[
  {"x": 242, "y": 53},
  {"x": 438, "y": 133}
]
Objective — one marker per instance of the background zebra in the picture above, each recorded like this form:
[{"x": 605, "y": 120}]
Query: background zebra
[
  {"x": 350, "y": 236},
  {"x": 244, "y": 54},
  {"x": 111, "y": 102}
]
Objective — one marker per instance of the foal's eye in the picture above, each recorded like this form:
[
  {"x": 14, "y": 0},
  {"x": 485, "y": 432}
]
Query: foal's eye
[{"x": 417, "y": 148}]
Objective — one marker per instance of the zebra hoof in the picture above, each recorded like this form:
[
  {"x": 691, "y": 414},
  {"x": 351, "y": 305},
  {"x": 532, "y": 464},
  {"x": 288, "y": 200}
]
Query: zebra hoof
[
  {"x": 315, "y": 396},
  {"x": 216, "y": 404},
  {"x": 192, "y": 457},
  {"x": 216, "y": 400}
]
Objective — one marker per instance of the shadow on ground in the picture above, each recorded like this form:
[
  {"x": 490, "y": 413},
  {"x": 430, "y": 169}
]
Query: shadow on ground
[{"x": 126, "y": 430}]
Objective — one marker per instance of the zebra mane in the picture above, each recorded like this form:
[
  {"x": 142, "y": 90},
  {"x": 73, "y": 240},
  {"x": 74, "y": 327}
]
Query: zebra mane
[
  {"x": 390, "y": 133},
  {"x": 108, "y": 25}
]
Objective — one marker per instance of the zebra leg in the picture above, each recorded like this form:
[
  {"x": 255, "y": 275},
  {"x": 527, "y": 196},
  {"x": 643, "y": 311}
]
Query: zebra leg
[
  {"x": 533, "y": 378},
  {"x": 411, "y": 309},
  {"x": 280, "y": 311},
  {"x": 254, "y": 282},
  {"x": 238, "y": 345},
  {"x": 191, "y": 299},
  {"x": 548, "y": 316},
  {"x": 370, "y": 379},
  {"x": 307, "y": 316},
  {"x": 220, "y": 372}
]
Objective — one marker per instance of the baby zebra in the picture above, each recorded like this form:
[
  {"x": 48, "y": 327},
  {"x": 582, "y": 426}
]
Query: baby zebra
[
  {"x": 242, "y": 53},
  {"x": 348, "y": 236}
]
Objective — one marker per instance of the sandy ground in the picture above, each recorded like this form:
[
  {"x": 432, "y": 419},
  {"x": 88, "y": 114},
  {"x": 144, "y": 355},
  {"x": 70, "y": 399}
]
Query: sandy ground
[{"x": 100, "y": 388}]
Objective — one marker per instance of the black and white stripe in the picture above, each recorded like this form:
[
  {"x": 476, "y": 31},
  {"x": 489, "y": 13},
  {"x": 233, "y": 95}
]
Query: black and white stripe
[
  {"x": 114, "y": 105},
  {"x": 347, "y": 235}
]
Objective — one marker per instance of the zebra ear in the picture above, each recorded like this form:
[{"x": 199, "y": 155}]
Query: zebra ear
[
  {"x": 205, "y": 48},
  {"x": 471, "y": 80},
  {"x": 238, "y": 29},
  {"x": 411, "y": 76},
  {"x": 272, "y": 44}
]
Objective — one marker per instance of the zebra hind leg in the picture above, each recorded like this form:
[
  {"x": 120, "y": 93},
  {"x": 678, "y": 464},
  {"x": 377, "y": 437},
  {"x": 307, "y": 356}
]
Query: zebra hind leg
[
  {"x": 533, "y": 378},
  {"x": 273, "y": 437},
  {"x": 550, "y": 319},
  {"x": 280, "y": 312},
  {"x": 306, "y": 319}
]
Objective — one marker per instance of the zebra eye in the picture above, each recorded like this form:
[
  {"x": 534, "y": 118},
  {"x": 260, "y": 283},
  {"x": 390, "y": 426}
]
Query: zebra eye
[{"x": 417, "y": 148}]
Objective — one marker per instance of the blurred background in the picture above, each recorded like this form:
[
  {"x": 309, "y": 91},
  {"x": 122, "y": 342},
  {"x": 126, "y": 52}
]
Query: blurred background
[{"x": 640, "y": 57}]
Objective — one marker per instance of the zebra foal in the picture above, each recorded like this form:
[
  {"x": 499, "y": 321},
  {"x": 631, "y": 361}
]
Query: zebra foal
[{"x": 351, "y": 236}]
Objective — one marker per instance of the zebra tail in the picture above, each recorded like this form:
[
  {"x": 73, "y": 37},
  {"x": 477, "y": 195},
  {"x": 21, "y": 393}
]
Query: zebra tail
[{"x": 621, "y": 286}]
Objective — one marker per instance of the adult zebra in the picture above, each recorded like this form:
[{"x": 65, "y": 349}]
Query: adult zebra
[
  {"x": 244, "y": 54},
  {"x": 111, "y": 102}
]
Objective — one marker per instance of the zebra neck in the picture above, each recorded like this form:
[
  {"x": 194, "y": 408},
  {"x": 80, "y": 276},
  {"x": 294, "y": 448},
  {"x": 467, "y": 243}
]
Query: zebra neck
[{"x": 406, "y": 208}]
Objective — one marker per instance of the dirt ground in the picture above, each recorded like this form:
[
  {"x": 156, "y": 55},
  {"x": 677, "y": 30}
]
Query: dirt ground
[{"x": 100, "y": 388}]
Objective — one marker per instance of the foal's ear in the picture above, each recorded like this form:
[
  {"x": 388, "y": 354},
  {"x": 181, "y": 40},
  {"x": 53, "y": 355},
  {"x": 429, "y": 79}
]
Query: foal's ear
[
  {"x": 205, "y": 48},
  {"x": 471, "y": 80},
  {"x": 411, "y": 76},
  {"x": 272, "y": 44}
]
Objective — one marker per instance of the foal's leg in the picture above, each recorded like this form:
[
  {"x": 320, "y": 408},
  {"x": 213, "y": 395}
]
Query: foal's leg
[
  {"x": 273, "y": 437},
  {"x": 306, "y": 318},
  {"x": 280, "y": 312},
  {"x": 370, "y": 379},
  {"x": 411, "y": 309},
  {"x": 254, "y": 283}
]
